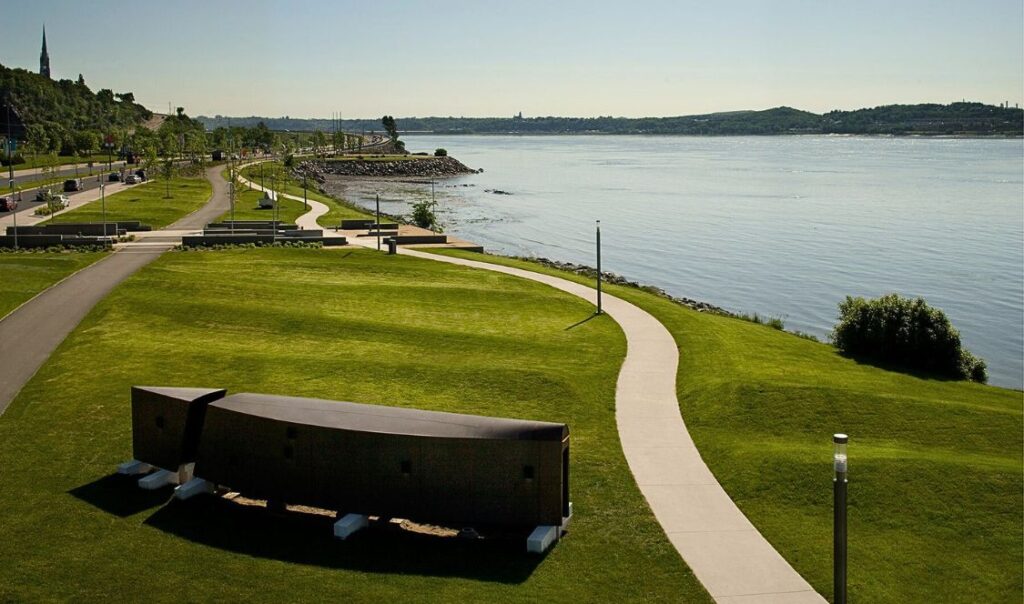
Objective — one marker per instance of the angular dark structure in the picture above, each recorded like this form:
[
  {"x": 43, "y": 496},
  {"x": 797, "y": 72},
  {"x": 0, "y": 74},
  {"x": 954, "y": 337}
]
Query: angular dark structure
[
  {"x": 167, "y": 423},
  {"x": 364, "y": 460}
]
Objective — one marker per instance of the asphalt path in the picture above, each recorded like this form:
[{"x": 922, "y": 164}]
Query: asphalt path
[{"x": 30, "y": 334}]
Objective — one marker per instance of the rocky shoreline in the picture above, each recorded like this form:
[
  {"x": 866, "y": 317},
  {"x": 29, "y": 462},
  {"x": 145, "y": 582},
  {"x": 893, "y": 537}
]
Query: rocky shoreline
[
  {"x": 430, "y": 167},
  {"x": 614, "y": 279}
]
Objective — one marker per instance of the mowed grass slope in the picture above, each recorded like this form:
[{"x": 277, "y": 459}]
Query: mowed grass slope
[
  {"x": 23, "y": 275},
  {"x": 247, "y": 207},
  {"x": 346, "y": 325},
  {"x": 935, "y": 495},
  {"x": 287, "y": 183},
  {"x": 147, "y": 202}
]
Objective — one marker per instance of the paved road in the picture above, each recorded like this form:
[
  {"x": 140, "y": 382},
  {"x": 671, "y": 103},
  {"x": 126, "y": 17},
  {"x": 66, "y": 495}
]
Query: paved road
[
  {"x": 30, "y": 334},
  {"x": 217, "y": 205}
]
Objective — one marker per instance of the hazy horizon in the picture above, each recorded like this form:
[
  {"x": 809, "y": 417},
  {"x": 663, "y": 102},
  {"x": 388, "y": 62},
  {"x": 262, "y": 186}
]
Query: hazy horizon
[{"x": 470, "y": 59}]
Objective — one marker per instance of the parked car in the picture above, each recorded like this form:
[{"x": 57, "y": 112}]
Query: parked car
[
  {"x": 60, "y": 201},
  {"x": 114, "y": 177},
  {"x": 141, "y": 174},
  {"x": 7, "y": 204},
  {"x": 72, "y": 185},
  {"x": 131, "y": 179},
  {"x": 44, "y": 195}
]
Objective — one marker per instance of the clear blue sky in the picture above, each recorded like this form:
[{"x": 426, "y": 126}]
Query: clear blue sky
[{"x": 481, "y": 58}]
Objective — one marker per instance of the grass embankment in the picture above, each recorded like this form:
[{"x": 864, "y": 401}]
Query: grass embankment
[
  {"x": 147, "y": 202},
  {"x": 935, "y": 471},
  {"x": 23, "y": 275},
  {"x": 346, "y": 325},
  {"x": 247, "y": 207},
  {"x": 340, "y": 209},
  {"x": 59, "y": 161}
]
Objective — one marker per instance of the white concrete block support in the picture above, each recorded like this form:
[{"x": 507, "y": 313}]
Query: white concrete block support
[
  {"x": 542, "y": 538},
  {"x": 158, "y": 479},
  {"x": 133, "y": 467},
  {"x": 349, "y": 524},
  {"x": 196, "y": 486}
]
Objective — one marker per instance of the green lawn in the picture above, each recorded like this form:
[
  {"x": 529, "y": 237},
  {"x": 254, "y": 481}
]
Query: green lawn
[
  {"x": 935, "y": 466},
  {"x": 23, "y": 275},
  {"x": 341, "y": 324},
  {"x": 147, "y": 202},
  {"x": 247, "y": 208},
  {"x": 59, "y": 160},
  {"x": 340, "y": 210}
]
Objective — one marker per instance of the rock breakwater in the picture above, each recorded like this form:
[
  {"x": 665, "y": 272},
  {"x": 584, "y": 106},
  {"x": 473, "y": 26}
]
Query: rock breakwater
[{"x": 431, "y": 167}]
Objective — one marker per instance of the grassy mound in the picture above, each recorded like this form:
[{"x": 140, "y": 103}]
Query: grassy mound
[
  {"x": 23, "y": 275},
  {"x": 346, "y": 325},
  {"x": 339, "y": 210},
  {"x": 147, "y": 202},
  {"x": 935, "y": 466}
]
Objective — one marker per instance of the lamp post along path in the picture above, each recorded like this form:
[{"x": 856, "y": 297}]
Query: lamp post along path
[
  {"x": 378, "y": 222},
  {"x": 598, "y": 267},
  {"x": 839, "y": 483}
]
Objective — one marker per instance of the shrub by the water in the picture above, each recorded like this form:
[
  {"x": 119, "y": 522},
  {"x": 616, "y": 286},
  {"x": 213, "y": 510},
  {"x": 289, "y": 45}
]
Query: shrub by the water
[
  {"x": 440, "y": 152},
  {"x": 908, "y": 333}
]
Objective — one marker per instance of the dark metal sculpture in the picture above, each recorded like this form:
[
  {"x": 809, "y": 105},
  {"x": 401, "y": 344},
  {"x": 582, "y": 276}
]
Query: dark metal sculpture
[{"x": 428, "y": 466}]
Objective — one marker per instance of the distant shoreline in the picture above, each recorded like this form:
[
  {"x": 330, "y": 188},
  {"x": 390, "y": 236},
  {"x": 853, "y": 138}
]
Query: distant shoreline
[{"x": 686, "y": 135}]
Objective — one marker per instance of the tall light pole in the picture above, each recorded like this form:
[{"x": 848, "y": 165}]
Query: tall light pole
[
  {"x": 231, "y": 196},
  {"x": 103, "y": 206},
  {"x": 10, "y": 169},
  {"x": 598, "y": 267},
  {"x": 839, "y": 482},
  {"x": 378, "y": 222},
  {"x": 305, "y": 201}
]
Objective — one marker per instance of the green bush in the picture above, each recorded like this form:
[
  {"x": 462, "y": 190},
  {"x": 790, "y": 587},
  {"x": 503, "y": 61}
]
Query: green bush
[
  {"x": 440, "y": 152},
  {"x": 423, "y": 215},
  {"x": 906, "y": 333}
]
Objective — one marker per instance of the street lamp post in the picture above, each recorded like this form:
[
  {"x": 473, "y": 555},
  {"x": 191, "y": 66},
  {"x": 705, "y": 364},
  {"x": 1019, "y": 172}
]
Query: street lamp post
[
  {"x": 231, "y": 197},
  {"x": 598, "y": 267},
  {"x": 839, "y": 484},
  {"x": 103, "y": 209},
  {"x": 14, "y": 213},
  {"x": 378, "y": 222},
  {"x": 305, "y": 201}
]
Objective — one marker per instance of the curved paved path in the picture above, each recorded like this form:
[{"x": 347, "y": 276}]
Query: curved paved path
[
  {"x": 30, "y": 333},
  {"x": 729, "y": 556}
]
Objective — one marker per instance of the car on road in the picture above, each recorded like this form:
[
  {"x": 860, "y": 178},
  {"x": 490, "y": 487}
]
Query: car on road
[
  {"x": 7, "y": 204},
  {"x": 131, "y": 179},
  {"x": 44, "y": 195},
  {"x": 114, "y": 177},
  {"x": 141, "y": 174},
  {"x": 72, "y": 185}
]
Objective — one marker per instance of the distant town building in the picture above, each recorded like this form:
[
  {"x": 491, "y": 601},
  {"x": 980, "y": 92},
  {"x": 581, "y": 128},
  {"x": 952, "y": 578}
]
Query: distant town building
[{"x": 44, "y": 58}]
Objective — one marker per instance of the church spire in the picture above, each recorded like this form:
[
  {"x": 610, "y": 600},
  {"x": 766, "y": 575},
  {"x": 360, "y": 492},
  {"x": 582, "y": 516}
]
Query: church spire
[{"x": 44, "y": 58}]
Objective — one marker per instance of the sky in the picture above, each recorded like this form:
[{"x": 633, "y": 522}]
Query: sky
[{"x": 481, "y": 58}]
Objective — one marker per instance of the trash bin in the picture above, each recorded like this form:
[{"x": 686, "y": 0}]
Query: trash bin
[{"x": 392, "y": 246}]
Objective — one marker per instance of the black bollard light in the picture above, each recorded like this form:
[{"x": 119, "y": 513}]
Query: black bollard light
[{"x": 839, "y": 483}]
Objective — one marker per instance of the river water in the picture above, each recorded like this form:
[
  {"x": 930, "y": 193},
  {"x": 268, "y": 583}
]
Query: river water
[{"x": 781, "y": 226}]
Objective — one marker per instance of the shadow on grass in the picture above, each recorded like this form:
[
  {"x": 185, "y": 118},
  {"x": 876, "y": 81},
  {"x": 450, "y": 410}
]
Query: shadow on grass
[
  {"x": 303, "y": 538},
  {"x": 119, "y": 495},
  {"x": 894, "y": 367},
  {"x": 578, "y": 323}
]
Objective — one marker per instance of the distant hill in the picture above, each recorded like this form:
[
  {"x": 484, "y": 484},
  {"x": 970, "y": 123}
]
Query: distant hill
[
  {"x": 924, "y": 119},
  {"x": 52, "y": 112}
]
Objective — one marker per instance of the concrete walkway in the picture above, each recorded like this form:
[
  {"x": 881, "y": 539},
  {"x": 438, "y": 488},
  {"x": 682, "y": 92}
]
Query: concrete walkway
[{"x": 729, "y": 556}]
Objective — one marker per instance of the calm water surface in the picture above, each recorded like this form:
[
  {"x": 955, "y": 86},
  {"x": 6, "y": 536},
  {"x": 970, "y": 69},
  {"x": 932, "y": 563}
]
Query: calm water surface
[{"x": 782, "y": 226}]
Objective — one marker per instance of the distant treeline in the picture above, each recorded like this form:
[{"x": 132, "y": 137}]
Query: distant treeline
[{"x": 925, "y": 119}]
